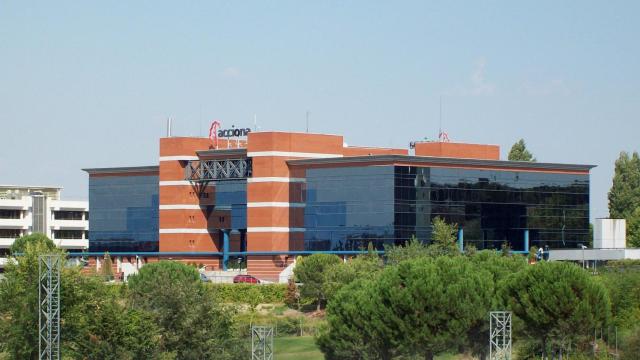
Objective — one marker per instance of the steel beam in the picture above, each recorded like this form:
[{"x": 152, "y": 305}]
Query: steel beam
[{"x": 198, "y": 171}]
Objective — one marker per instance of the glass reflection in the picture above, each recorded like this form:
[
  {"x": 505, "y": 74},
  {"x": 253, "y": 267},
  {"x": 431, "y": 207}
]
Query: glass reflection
[
  {"x": 124, "y": 213},
  {"x": 349, "y": 207}
]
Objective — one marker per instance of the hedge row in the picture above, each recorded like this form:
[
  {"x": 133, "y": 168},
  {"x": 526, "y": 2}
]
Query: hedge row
[
  {"x": 250, "y": 293},
  {"x": 282, "y": 325}
]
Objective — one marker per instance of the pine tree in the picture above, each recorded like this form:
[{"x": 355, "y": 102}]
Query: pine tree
[
  {"x": 412, "y": 248},
  {"x": 107, "y": 267},
  {"x": 371, "y": 250},
  {"x": 409, "y": 310},
  {"x": 560, "y": 303},
  {"x": 291, "y": 296},
  {"x": 505, "y": 249},
  {"x": 310, "y": 271},
  {"x": 519, "y": 152},
  {"x": 633, "y": 229},
  {"x": 443, "y": 237},
  {"x": 624, "y": 196}
]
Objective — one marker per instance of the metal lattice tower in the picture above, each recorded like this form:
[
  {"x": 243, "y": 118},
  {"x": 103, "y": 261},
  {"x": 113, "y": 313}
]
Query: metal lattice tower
[
  {"x": 261, "y": 343},
  {"x": 500, "y": 335},
  {"x": 49, "y": 307}
]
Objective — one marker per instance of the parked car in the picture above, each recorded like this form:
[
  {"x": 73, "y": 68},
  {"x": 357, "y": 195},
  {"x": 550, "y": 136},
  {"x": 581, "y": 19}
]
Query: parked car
[{"x": 245, "y": 279}]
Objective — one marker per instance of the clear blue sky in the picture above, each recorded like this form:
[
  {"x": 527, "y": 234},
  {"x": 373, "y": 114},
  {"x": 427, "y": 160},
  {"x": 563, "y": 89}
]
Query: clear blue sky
[{"x": 90, "y": 84}]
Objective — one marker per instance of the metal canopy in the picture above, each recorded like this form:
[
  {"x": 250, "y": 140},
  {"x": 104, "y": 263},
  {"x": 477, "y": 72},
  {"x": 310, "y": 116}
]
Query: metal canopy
[{"x": 204, "y": 171}]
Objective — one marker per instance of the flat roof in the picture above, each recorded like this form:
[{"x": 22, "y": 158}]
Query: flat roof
[
  {"x": 122, "y": 170},
  {"x": 222, "y": 152},
  {"x": 26, "y": 187},
  {"x": 430, "y": 160},
  {"x": 450, "y": 142}
]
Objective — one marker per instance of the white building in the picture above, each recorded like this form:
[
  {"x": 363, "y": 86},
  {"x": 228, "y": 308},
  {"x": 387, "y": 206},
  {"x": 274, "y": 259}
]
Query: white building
[
  {"x": 609, "y": 243},
  {"x": 29, "y": 209}
]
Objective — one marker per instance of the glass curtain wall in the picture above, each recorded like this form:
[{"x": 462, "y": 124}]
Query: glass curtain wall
[
  {"x": 231, "y": 198},
  {"x": 124, "y": 213},
  {"x": 346, "y": 208},
  {"x": 493, "y": 207}
]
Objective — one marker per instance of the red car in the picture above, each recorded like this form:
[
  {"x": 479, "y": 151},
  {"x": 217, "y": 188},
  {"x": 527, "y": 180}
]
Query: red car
[{"x": 245, "y": 279}]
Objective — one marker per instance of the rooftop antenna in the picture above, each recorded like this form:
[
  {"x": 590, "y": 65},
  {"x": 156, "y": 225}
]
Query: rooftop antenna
[
  {"x": 440, "y": 129},
  {"x": 442, "y": 136},
  {"x": 169, "y": 126},
  {"x": 200, "y": 133},
  {"x": 307, "y": 120},
  {"x": 255, "y": 122}
]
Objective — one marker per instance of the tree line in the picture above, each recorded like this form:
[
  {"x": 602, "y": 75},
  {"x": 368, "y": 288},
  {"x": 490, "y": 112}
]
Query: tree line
[
  {"x": 426, "y": 300},
  {"x": 164, "y": 312}
]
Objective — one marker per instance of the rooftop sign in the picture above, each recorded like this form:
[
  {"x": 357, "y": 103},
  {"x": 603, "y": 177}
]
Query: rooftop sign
[{"x": 215, "y": 132}]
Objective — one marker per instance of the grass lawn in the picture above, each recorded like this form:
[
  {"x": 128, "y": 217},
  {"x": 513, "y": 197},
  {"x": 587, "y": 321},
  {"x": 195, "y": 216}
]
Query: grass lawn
[{"x": 296, "y": 347}]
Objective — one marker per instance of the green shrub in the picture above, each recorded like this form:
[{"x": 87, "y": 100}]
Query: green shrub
[
  {"x": 623, "y": 284},
  {"x": 282, "y": 325},
  {"x": 245, "y": 293},
  {"x": 626, "y": 263},
  {"x": 631, "y": 345},
  {"x": 280, "y": 309},
  {"x": 288, "y": 326}
]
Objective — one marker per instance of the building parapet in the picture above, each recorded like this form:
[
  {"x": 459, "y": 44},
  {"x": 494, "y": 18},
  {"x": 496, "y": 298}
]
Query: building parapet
[{"x": 593, "y": 254}]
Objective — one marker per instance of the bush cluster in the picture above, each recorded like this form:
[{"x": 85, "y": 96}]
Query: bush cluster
[
  {"x": 247, "y": 293},
  {"x": 424, "y": 303}
]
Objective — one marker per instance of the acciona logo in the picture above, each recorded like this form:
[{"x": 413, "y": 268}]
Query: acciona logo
[{"x": 233, "y": 132}]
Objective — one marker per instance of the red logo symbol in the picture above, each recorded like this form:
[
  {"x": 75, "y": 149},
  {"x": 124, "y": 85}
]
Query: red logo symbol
[
  {"x": 213, "y": 133},
  {"x": 443, "y": 136}
]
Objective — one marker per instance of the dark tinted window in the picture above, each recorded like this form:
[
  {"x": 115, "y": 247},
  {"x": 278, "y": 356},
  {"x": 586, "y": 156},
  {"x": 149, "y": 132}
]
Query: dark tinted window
[
  {"x": 124, "y": 213},
  {"x": 493, "y": 207},
  {"x": 349, "y": 207},
  {"x": 231, "y": 198}
]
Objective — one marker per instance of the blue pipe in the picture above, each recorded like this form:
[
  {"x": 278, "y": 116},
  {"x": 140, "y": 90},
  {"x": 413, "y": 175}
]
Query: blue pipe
[
  {"x": 526, "y": 241},
  {"x": 143, "y": 253},
  {"x": 225, "y": 249},
  {"x": 230, "y": 253},
  {"x": 240, "y": 253}
]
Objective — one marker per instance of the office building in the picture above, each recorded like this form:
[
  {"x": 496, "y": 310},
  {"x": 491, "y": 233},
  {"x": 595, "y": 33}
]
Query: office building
[{"x": 268, "y": 197}]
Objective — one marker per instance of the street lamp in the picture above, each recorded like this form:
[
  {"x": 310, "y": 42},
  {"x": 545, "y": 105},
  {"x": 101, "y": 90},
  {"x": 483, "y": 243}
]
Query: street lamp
[{"x": 583, "y": 247}]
